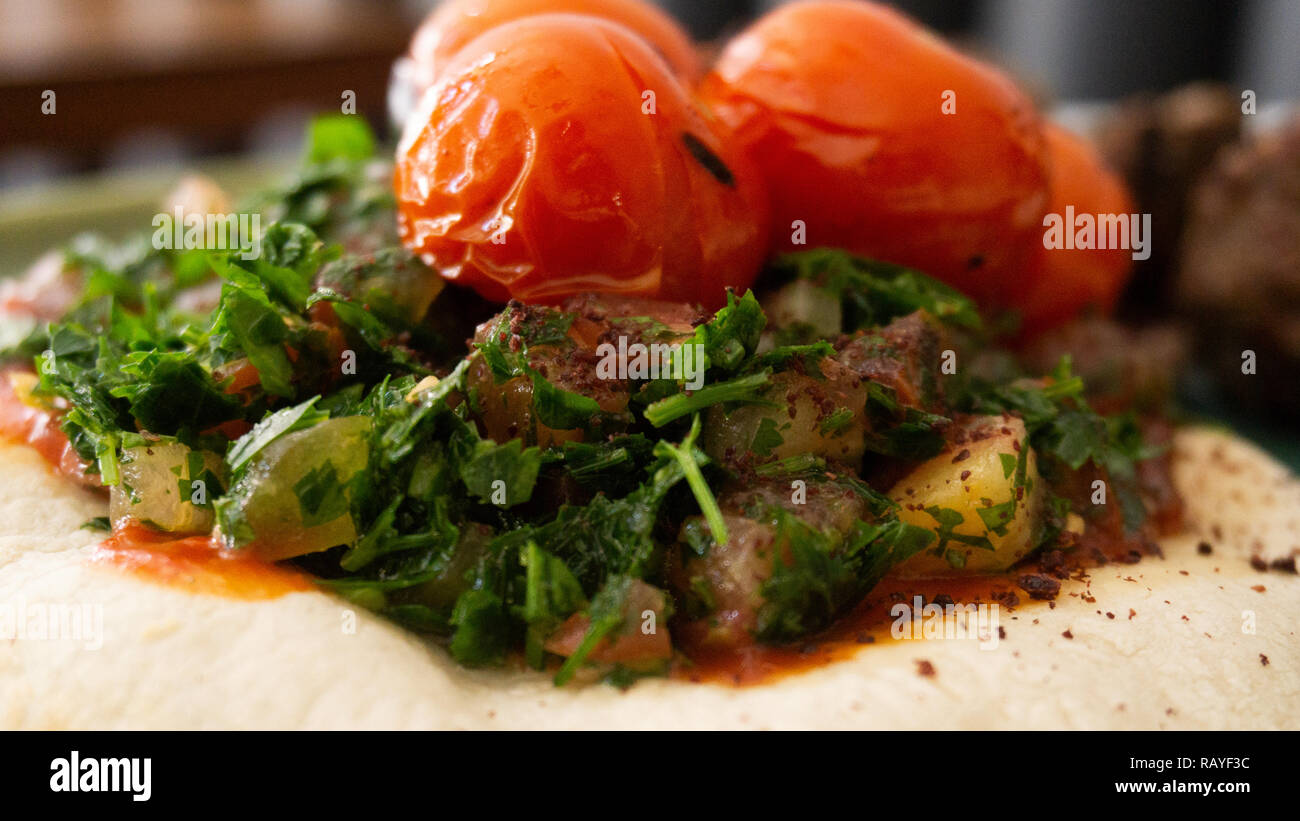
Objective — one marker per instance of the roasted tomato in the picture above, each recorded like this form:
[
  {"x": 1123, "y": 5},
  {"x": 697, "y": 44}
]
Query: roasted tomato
[
  {"x": 1061, "y": 281},
  {"x": 877, "y": 137},
  {"x": 558, "y": 154},
  {"x": 452, "y": 25}
]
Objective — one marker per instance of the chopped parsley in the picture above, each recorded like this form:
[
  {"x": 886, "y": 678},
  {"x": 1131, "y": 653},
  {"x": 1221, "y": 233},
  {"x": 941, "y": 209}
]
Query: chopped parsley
[{"x": 492, "y": 496}]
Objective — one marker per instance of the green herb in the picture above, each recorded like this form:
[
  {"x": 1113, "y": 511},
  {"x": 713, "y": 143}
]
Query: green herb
[
  {"x": 502, "y": 475},
  {"x": 732, "y": 334},
  {"x": 170, "y": 391},
  {"x": 689, "y": 459},
  {"x": 825, "y": 572},
  {"x": 767, "y": 438},
  {"x": 835, "y": 422},
  {"x": 321, "y": 496},
  {"x": 561, "y": 409},
  {"x": 948, "y": 520},
  {"x": 99, "y": 524},
  {"x": 875, "y": 292},
  {"x": 483, "y": 632},
  {"x": 997, "y": 517},
  {"x": 901, "y": 432},
  {"x": 342, "y": 136},
  {"x": 551, "y": 594},
  {"x": 741, "y": 389},
  {"x": 607, "y": 615},
  {"x": 275, "y": 425},
  {"x": 1063, "y": 428}
]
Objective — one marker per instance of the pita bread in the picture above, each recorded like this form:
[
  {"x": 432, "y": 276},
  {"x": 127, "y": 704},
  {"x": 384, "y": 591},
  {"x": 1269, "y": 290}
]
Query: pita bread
[{"x": 175, "y": 659}]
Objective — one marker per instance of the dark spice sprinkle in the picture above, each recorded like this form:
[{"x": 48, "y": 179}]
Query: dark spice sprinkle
[
  {"x": 1204, "y": 548},
  {"x": 1039, "y": 587},
  {"x": 1263, "y": 660},
  {"x": 1286, "y": 565},
  {"x": 961, "y": 457},
  {"x": 1067, "y": 634},
  {"x": 711, "y": 162},
  {"x": 1259, "y": 564},
  {"x": 1053, "y": 562},
  {"x": 1006, "y": 599},
  {"x": 925, "y": 668}
]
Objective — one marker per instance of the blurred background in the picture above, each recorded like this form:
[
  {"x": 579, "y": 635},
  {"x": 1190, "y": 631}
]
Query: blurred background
[{"x": 162, "y": 82}]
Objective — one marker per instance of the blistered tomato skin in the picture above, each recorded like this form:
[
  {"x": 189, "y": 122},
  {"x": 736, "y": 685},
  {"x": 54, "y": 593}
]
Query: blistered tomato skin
[
  {"x": 881, "y": 139},
  {"x": 1060, "y": 282},
  {"x": 557, "y": 155},
  {"x": 452, "y": 25}
]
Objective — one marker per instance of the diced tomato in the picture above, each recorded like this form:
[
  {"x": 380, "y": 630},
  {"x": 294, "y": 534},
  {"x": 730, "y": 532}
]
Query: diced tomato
[
  {"x": 45, "y": 291},
  {"x": 240, "y": 372},
  {"x": 628, "y": 648},
  {"x": 629, "y": 644}
]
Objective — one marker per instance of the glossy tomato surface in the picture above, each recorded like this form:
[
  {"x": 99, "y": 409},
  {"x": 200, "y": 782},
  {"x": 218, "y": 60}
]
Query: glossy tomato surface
[
  {"x": 453, "y": 24},
  {"x": 843, "y": 107},
  {"x": 559, "y": 154},
  {"x": 1060, "y": 282}
]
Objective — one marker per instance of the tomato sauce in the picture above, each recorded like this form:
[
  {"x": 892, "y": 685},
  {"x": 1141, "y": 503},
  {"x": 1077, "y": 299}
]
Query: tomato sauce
[
  {"x": 38, "y": 428},
  {"x": 196, "y": 564},
  {"x": 866, "y": 624}
]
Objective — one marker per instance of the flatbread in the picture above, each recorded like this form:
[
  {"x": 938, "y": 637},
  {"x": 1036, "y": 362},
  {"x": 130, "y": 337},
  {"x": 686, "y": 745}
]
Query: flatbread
[{"x": 1179, "y": 652}]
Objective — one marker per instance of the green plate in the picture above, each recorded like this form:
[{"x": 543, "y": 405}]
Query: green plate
[{"x": 36, "y": 218}]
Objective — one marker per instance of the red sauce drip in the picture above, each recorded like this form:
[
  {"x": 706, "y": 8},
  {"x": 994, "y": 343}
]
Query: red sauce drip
[
  {"x": 196, "y": 564},
  {"x": 39, "y": 428},
  {"x": 868, "y": 623}
]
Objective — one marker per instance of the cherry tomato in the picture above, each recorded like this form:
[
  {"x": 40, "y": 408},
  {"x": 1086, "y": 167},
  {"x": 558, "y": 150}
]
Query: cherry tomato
[
  {"x": 879, "y": 138},
  {"x": 558, "y": 154},
  {"x": 452, "y": 25},
  {"x": 1060, "y": 282}
]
